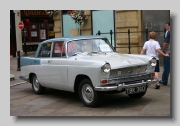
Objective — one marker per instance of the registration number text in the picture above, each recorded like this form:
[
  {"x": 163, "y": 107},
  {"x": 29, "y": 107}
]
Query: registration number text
[{"x": 133, "y": 90}]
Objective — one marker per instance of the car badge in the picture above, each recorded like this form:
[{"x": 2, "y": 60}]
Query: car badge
[
  {"x": 138, "y": 69},
  {"x": 119, "y": 72}
]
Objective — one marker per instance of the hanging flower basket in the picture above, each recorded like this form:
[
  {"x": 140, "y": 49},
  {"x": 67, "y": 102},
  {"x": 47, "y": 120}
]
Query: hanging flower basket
[
  {"x": 79, "y": 16},
  {"x": 51, "y": 12}
]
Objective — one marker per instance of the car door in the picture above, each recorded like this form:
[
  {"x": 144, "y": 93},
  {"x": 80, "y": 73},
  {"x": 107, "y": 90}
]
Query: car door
[
  {"x": 57, "y": 66},
  {"x": 41, "y": 70}
]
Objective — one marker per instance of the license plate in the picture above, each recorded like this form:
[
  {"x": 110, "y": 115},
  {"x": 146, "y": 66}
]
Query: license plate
[{"x": 133, "y": 90}]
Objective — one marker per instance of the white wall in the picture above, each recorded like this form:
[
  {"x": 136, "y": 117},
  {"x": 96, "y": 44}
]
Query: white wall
[{"x": 18, "y": 31}]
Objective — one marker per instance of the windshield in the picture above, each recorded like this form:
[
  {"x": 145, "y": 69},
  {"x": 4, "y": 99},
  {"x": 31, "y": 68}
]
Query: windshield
[{"x": 89, "y": 46}]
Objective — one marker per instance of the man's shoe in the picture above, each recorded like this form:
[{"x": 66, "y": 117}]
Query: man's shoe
[
  {"x": 162, "y": 83},
  {"x": 157, "y": 86}
]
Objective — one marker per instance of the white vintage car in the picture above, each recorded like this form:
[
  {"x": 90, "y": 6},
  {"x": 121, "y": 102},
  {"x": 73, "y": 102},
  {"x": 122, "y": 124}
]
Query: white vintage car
[{"x": 89, "y": 66}]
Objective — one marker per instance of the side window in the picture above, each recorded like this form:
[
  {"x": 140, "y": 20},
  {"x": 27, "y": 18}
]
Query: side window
[
  {"x": 58, "y": 49},
  {"x": 45, "y": 50}
]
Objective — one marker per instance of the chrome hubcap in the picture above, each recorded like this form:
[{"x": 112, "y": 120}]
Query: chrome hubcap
[
  {"x": 87, "y": 93},
  {"x": 35, "y": 83}
]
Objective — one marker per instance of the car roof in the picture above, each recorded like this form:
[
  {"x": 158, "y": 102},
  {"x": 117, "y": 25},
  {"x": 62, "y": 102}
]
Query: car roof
[{"x": 66, "y": 39}]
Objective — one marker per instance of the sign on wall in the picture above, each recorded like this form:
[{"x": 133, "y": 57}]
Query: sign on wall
[
  {"x": 43, "y": 34},
  {"x": 21, "y": 25},
  {"x": 34, "y": 13}
]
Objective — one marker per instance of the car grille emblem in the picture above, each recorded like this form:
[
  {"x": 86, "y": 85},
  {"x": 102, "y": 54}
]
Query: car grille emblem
[
  {"x": 119, "y": 72},
  {"x": 138, "y": 69}
]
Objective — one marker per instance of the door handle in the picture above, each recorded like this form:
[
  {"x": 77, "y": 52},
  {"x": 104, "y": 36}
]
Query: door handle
[{"x": 49, "y": 61}]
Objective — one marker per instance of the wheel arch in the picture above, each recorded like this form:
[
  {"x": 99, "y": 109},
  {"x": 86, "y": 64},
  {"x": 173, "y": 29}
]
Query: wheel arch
[
  {"x": 78, "y": 79},
  {"x": 30, "y": 76}
]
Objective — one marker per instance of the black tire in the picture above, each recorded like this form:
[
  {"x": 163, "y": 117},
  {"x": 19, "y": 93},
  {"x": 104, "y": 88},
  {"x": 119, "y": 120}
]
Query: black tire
[
  {"x": 137, "y": 95},
  {"x": 87, "y": 94},
  {"x": 36, "y": 86}
]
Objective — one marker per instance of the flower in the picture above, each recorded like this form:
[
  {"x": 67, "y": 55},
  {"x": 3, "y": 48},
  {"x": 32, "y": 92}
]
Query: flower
[
  {"x": 51, "y": 12},
  {"x": 78, "y": 16}
]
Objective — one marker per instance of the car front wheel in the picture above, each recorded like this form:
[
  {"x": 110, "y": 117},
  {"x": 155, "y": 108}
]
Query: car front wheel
[
  {"x": 36, "y": 86},
  {"x": 87, "y": 94}
]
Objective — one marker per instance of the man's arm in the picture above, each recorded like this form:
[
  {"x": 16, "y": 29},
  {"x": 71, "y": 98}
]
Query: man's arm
[
  {"x": 166, "y": 41},
  {"x": 142, "y": 51},
  {"x": 160, "y": 52},
  {"x": 165, "y": 45}
]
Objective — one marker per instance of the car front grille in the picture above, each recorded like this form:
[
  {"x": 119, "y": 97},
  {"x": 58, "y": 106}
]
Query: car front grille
[
  {"x": 129, "y": 71},
  {"x": 130, "y": 79}
]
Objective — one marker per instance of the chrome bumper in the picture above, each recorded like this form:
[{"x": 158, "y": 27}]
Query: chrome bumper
[
  {"x": 24, "y": 78},
  {"x": 120, "y": 87}
]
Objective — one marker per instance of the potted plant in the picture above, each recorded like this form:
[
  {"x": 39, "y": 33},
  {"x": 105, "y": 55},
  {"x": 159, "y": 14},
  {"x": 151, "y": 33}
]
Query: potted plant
[
  {"x": 51, "y": 12},
  {"x": 79, "y": 16}
]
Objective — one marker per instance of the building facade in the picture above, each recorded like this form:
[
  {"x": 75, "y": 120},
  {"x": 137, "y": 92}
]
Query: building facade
[
  {"x": 129, "y": 28},
  {"x": 38, "y": 26}
]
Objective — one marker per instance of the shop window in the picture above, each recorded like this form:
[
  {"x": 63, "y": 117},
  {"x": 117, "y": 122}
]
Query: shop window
[
  {"x": 37, "y": 31},
  {"x": 34, "y": 31},
  {"x": 38, "y": 25},
  {"x": 51, "y": 30},
  {"x": 43, "y": 31}
]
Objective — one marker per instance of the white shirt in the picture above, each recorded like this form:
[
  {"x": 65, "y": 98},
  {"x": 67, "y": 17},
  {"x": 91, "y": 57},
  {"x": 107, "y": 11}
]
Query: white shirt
[
  {"x": 166, "y": 32},
  {"x": 151, "y": 46},
  {"x": 168, "y": 48}
]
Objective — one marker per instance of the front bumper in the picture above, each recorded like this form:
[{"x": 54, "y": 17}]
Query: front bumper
[{"x": 121, "y": 86}]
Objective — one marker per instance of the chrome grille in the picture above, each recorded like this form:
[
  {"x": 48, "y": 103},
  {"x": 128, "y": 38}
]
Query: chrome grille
[
  {"x": 130, "y": 79},
  {"x": 128, "y": 71}
]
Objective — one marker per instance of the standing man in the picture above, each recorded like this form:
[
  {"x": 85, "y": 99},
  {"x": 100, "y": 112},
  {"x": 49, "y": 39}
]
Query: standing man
[
  {"x": 152, "y": 48},
  {"x": 166, "y": 60}
]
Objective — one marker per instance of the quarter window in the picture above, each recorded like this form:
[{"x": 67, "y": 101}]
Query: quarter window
[{"x": 45, "y": 50}]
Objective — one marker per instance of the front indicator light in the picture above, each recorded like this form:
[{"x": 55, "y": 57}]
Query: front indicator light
[
  {"x": 104, "y": 81},
  {"x": 153, "y": 74}
]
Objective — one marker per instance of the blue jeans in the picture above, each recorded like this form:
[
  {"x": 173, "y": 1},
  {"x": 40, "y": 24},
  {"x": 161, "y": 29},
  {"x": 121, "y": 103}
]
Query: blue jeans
[{"x": 166, "y": 71}]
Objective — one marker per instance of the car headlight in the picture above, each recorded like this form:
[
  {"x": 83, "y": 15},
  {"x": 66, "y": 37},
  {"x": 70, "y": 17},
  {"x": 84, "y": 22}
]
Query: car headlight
[
  {"x": 106, "y": 68},
  {"x": 152, "y": 61}
]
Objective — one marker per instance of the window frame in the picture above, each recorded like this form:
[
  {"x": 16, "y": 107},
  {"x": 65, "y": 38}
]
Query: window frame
[
  {"x": 40, "y": 50},
  {"x": 63, "y": 48}
]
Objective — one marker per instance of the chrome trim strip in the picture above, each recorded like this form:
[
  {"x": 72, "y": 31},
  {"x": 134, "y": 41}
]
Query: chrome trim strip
[{"x": 85, "y": 38}]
